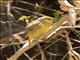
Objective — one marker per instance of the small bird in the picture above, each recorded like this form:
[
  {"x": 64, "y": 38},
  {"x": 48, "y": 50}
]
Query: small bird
[{"x": 38, "y": 27}]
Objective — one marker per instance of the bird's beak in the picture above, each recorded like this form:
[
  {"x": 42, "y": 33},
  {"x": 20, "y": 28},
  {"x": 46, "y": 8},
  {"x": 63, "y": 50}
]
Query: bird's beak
[{"x": 20, "y": 19}]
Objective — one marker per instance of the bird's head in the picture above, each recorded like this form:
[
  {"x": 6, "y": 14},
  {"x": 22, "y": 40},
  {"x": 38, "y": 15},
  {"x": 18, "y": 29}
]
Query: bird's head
[{"x": 24, "y": 18}]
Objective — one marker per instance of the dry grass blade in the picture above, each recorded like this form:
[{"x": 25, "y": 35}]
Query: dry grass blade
[
  {"x": 42, "y": 53},
  {"x": 72, "y": 54},
  {"x": 22, "y": 50}
]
